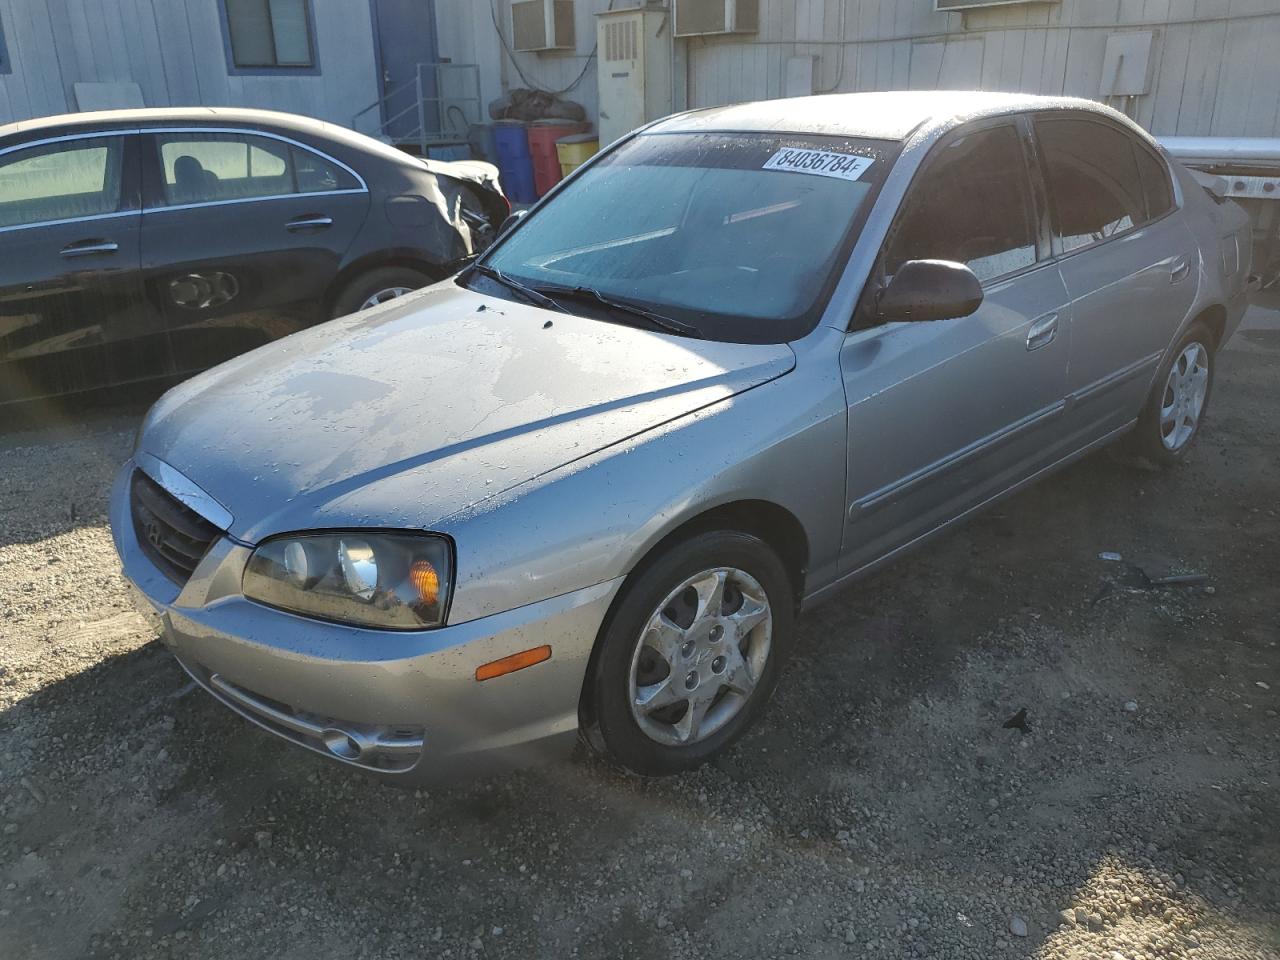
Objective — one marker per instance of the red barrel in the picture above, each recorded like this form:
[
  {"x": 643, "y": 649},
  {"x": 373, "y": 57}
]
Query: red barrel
[{"x": 543, "y": 135}]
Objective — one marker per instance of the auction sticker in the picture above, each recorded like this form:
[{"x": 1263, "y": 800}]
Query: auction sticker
[{"x": 842, "y": 166}]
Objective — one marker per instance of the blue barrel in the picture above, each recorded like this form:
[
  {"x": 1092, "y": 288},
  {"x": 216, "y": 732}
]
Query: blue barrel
[
  {"x": 480, "y": 136},
  {"x": 515, "y": 165}
]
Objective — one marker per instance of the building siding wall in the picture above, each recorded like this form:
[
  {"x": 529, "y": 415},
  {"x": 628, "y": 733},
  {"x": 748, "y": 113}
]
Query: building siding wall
[
  {"x": 1215, "y": 70},
  {"x": 174, "y": 50}
]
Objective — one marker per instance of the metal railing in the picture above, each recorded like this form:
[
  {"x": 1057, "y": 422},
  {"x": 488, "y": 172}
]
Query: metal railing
[{"x": 439, "y": 105}]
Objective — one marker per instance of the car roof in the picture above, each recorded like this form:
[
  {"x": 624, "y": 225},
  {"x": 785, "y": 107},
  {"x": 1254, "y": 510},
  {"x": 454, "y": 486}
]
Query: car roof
[
  {"x": 892, "y": 115},
  {"x": 71, "y": 123},
  {"x": 319, "y": 133}
]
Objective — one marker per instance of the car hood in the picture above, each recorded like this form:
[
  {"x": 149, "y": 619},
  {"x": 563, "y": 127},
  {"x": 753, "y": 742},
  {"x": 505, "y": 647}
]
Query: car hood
[{"x": 405, "y": 414}]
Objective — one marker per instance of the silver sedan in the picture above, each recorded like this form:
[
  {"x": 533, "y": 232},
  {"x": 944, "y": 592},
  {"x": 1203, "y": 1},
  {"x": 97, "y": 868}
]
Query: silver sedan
[{"x": 740, "y": 359}]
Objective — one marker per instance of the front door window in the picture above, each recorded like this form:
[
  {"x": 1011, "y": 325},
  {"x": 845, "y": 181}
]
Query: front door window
[
  {"x": 972, "y": 205},
  {"x": 61, "y": 181}
]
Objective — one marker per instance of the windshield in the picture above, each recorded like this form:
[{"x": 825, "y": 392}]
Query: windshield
[{"x": 736, "y": 235}]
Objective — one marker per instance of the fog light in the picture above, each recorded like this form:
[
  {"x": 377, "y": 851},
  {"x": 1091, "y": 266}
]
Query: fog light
[{"x": 341, "y": 744}]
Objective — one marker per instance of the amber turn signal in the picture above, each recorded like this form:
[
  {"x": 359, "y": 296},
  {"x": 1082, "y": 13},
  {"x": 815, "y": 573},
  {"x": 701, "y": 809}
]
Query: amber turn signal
[
  {"x": 423, "y": 577},
  {"x": 517, "y": 661}
]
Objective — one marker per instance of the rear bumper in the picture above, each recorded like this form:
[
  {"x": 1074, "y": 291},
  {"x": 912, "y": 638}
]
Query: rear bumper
[{"x": 403, "y": 706}]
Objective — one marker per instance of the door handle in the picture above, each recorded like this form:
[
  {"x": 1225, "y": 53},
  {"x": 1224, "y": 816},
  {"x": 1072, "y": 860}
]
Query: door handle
[
  {"x": 1181, "y": 267},
  {"x": 84, "y": 248},
  {"x": 309, "y": 222},
  {"x": 1042, "y": 331}
]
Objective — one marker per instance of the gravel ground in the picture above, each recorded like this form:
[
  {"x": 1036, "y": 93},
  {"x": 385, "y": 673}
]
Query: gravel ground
[{"x": 881, "y": 810}]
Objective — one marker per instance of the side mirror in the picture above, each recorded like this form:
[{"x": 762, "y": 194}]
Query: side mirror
[
  {"x": 514, "y": 217},
  {"x": 930, "y": 290}
]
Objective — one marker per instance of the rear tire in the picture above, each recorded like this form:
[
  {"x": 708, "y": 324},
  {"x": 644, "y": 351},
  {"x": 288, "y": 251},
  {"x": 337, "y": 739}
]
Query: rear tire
[
  {"x": 377, "y": 286},
  {"x": 691, "y": 653},
  {"x": 1174, "y": 413}
]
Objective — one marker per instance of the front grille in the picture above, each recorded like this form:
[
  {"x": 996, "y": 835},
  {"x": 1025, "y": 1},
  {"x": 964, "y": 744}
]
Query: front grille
[{"x": 172, "y": 535}]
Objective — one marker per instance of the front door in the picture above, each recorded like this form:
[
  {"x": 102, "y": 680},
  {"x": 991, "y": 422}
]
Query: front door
[
  {"x": 406, "y": 32},
  {"x": 72, "y": 314},
  {"x": 243, "y": 234},
  {"x": 1129, "y": 261},
  {"x": 944, "y": 415}
]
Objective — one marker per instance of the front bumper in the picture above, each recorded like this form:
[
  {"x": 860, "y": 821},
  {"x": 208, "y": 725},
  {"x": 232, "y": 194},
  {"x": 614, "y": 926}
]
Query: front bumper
[{"x": 405, "y": 706}]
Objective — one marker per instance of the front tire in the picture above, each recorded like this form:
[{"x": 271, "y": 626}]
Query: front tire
[
  {"x": 1170, "y": 422},
  {"x": 691, "y": 653}
]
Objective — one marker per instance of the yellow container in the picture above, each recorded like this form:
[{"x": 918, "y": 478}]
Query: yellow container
[{"x": 575, "y": 150}]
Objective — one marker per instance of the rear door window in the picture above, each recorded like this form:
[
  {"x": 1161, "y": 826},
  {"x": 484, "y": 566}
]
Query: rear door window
[
  {"x": 316, "y": 174},
  {"x": 970, "y": 204},
  {"x": 214, "y": 167},
  {"x": 1093, "y": 178}
]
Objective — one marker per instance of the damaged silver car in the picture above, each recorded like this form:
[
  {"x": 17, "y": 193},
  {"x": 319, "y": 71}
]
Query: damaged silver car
[{"x": 740, "y": 359}]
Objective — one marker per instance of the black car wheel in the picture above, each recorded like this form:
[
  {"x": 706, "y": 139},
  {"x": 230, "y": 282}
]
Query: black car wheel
[
  {"x": 691, "y": 653},
  {"x": 375, "y": 287},
  {"x": 1175, "y": 410}
]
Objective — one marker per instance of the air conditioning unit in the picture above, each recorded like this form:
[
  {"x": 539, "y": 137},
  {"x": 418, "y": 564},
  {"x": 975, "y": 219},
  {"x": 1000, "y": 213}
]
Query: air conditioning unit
[
  {"x": 538, "y": 25},
  {"x": 945, "y": 6},
  {"x": 702, "y": 18},
  {"x": 633, "y": 68}
]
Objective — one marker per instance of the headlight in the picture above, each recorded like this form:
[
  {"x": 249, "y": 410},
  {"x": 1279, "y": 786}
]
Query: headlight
[{"x": 394, "y": 581}]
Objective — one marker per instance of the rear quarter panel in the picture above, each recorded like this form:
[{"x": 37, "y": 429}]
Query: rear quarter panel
[
  {"x": 1222, "y": 235},
  {"x": 415, "y": 216}
]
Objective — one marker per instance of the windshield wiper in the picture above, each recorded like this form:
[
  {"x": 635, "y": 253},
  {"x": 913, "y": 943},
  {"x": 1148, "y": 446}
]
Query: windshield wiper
[
  {"x": 661, "y": 321},
  {"x": 533, "y": 296}
]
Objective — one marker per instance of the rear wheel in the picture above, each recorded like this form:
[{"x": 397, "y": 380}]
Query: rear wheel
[
  {"x": 691, "y": 653},
  {"x": 377, "y": 286},
  {"x": 1175, "y": 411}
]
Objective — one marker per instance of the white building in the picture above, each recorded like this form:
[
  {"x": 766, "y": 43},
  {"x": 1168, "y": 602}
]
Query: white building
[
  {"x": 316, "y": 57},
  {"x": 1185, "y": 67},
  {"x": 1189, "y": 67}
]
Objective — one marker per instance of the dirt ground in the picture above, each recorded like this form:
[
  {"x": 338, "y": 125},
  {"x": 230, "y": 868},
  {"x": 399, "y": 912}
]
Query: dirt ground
[{"x": 881, "y": 810}]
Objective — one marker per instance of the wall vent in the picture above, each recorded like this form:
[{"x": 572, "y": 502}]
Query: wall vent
[{"x": 620, "y": 40}]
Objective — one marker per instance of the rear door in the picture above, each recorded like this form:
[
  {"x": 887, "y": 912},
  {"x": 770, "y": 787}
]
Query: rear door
[
  {"x": 944, "y": 415},
  {"x": 72, "y": 315},
  {"x": 243, "y": 231},
  {"x": 1129, "y": 262}
]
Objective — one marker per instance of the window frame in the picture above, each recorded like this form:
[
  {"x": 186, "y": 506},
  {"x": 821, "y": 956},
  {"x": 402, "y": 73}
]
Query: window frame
[
  {"x": 129, "y": 203},
  {"x": 155, "y": 201},
  {"x": 1163, "y": 165},
  {"x": 236, "y": 69},
  {"x": 6, "y": 62},
  {"x": 865, "y": 315},
  {"x": 1135, "y": 143},
  {"x": 1034, "y": 192}
]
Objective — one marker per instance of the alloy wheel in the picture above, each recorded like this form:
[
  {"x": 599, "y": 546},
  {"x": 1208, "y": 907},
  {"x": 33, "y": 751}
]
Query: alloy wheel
[
  {"x": 382, "y": 296},
  {"x": 700, "y": 656},
  {"x": 1184, "y": 394}
]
